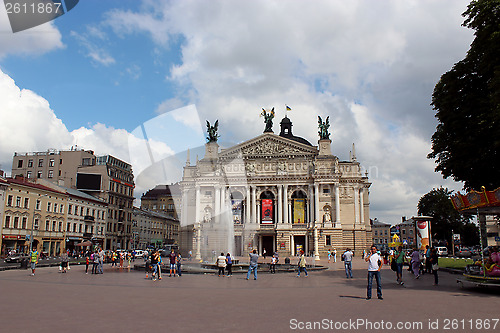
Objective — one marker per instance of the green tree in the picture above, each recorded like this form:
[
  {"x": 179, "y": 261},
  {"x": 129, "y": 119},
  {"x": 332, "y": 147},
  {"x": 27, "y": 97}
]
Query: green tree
[
  {"x": 466, "y": 144},
  {"x": 437, "y": 204}
]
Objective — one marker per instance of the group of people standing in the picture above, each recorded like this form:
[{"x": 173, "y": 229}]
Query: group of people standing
[
  {"x": 225, "y": 263},
  {"x": 154, "y": 263}
]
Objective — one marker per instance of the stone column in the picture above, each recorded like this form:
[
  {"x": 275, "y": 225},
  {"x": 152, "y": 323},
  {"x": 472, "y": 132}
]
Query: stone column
[
  {"x": 259, "y": 212},
  {"x": 356, "y": 205},
  {"x": 362, "y": 206},
  {"x": 254, "y": 205},
  {"x": 198, "y": 241},
  {"x": 316, "y": 252},
  {"x": 316, "y": 203},
  {"x": 217, "y": 204},
  {"x": 184, "y": 212},
  {"x": 292, "y": 245},
  {"x": 197, "y": 206},
  {"x": 337, "y": 204},
  {"x": 311, "y": 204},
  {"x": 280, "y": 204},
  {"x": 248, "y": 205},
  {"x": 285, "y": 194}
]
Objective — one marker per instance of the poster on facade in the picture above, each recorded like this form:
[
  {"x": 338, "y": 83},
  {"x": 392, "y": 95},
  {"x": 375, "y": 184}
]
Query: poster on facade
[
  {"x": 236, "y": 208},
  {"x": 422, "y": 228},
  {"x": 299, "y": 210},
  {"x": 267, "y": 211}
]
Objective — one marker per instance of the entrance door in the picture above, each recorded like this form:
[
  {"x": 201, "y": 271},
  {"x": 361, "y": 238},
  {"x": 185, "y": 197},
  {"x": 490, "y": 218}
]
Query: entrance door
[
  {"x": 300, "y": 244},
  {"x": 268, "y": 244}
]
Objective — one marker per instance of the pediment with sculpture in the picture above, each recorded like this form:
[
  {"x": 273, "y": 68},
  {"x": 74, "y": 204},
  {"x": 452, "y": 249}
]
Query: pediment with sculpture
[{"x": 269, "y": 144}]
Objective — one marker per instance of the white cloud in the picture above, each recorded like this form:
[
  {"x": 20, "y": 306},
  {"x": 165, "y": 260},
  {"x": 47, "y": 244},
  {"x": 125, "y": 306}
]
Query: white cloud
[
  {"x": 35, "y": 41},
  {"x": 98, "y": 53},
  {"x": 29, "y": 124}
]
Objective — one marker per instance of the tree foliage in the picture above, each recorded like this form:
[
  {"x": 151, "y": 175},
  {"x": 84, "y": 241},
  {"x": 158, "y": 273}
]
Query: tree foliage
[
  {"x": 466, "y": 144},
  {"x": 437, "y": 204}
]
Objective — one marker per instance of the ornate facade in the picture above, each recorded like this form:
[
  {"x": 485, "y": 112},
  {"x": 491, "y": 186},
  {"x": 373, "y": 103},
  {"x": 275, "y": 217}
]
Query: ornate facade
[{"x": 274, "y": 193}]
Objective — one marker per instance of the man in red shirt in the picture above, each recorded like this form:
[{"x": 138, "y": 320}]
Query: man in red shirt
[{"x": 172, "y": 257}]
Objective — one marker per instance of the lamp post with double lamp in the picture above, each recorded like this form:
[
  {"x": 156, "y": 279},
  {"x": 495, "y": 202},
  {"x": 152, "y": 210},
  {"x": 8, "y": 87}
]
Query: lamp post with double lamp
[{"x": 33, "y": 222}]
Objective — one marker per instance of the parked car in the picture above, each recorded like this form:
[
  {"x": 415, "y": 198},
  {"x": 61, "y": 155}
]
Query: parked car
[
  {"x": 17, "y": 257},
  {"x": 441, "y": 251},
  {"x": 463, "y": 252},
  {"x": 139, "y": 253}
]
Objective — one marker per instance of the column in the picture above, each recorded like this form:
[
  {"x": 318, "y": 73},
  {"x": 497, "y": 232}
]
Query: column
[
  {"x": 285, "y": 194},
  {"x": 197, "y": 206},
  {"x": 247, "y": 207},
  {"x": 254, "y": 205},
  {"x": 316, "y": 202},
  {"x": 217, "y": 203},
  {"x": 280, "y": 203},
  {"x": 361, "y": 204},
  {"x": 310, "y": 204},
  {"x": 356, "y": 205},
  {"x": 337, "y": 204},
  {"x": 316, "y": 252},
  {"x": 258, "y": 217},
  {"x": 290, "y": 212},
  {"x": 184, "y": 207},
  {"x": 198, "y": 241},
  {"x": 292, "y": 246}
]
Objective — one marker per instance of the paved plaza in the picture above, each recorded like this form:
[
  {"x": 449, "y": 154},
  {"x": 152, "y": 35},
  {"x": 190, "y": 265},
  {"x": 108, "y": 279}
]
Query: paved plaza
[{"x": 124, "y": 301}]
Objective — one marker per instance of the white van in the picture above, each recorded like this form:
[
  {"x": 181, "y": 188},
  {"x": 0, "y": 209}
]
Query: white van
[{"x": 441, "y": 251}]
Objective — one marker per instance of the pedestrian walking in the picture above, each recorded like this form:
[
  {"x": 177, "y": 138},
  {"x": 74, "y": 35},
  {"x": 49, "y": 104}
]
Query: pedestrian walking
[
  {"x": 347, "y": 258},
  {"x": 329, "y": 253},
  {"x": 221, "y": 263},
  {"x": 33, "y": 260},
  {"x": 302, "y": 264},
  {"x": 64, "y": 262},
  {"x": 87, "y": 262},
  {"x": 254, "y": 258},
  {"x": 415, "y": 263},
  {"x": 159, "y": 262},
  {"x": 154, "y": 265},
  {"x": 374, "y": 266},
  {"x": 428, "y": 264},
  {"x": 399, "y": 257},
  {"x": 101, "y": 261},
  {"x": 434, "y": 265},
  {"x": 172, "y": 257},
  {"x": 264, "y": 254},
  {"x": 334, "y": 255},
  {"x": 229, "y": 265},
  {"x": 178, "y": 261},
  {"x": 95, "y": 262},
  {"x": 274, "y": 260}
]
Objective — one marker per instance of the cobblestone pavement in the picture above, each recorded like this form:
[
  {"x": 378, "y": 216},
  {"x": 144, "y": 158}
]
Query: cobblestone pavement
[{"x": 124, "y": 301}]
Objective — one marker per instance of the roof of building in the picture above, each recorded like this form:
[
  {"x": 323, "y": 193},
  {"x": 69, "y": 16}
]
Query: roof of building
[
  {"x": 162, "y": 190},
  {"x": 377, "y": 223},
  {"x": 83, "y": 195},
  {"x": 286, "y": 132},
  {"x": 26, "y": 182}
]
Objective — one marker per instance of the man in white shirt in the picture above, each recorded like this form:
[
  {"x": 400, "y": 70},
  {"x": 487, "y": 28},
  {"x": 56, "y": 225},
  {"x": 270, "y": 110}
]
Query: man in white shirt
[{"x": 374, "y": 265}]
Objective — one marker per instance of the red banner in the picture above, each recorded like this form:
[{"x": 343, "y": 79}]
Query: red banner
[{"x": 267, "y": 211}]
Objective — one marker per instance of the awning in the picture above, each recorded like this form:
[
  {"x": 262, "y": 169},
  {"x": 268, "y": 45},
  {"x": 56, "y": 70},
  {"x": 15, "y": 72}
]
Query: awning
[{"x": 86, "y": 243}]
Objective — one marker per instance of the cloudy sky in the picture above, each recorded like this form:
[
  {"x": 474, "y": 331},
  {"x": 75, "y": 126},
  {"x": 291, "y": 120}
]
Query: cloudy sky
[{"x": 112, "y": 75}]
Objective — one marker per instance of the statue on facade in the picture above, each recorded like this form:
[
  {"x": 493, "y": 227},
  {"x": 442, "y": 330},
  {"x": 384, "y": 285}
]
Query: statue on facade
[
  {"x": 268, "y": 119},
  {"x": 323, "y": 128},
  {"x": 212, "y": 131}
]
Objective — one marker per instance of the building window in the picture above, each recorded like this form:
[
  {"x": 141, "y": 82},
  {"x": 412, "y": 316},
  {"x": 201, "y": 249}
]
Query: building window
[
  {"x": 69, "y": 209},
  {"x": 20, "y": 163},
  {"x": 9, "y": 200},
  {"x": 40, "y": 163},
  {"x": 61, "y": 209},
  {"x": 37, "y": 206},
  {"x": 29, "y": 174},
  {"x": 51, "y": 174},
  {"x": 74, "y": 227},
  {"x": 80, "y": 228},
  {"x": 328, "y": 240},
  {"x": 51, "y": 162},
  {"x": 55, "y": 208},
  {"x": 16, "y": 222},
  {"x": 26, "y": 203},
  {"x": 68, "y": 226},
  {"x": 35, "y": 224},
  {"x": 47, "y": 225},
  {"x": 30, "y": 163},
  {"x": 25, "y": 220},
  {"x": 375, "y": 232},
  {"x": 60, "y": 226},
  {"x": 18, "y": 201},
  {"x": 39, "y": 174},
  {"x": 326, "y": 190},
  {"x": 7, "y": 221},
  {"x": 48, "y": 206},
  {"x": 53, "y": 225}
]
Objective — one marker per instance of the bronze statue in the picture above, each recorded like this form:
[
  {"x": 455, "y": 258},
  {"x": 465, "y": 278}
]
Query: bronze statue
[
  {"x": 212, "y": 132},
  {"x": 268, "y": 119},
  {"x": 323, "y": 128}
]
